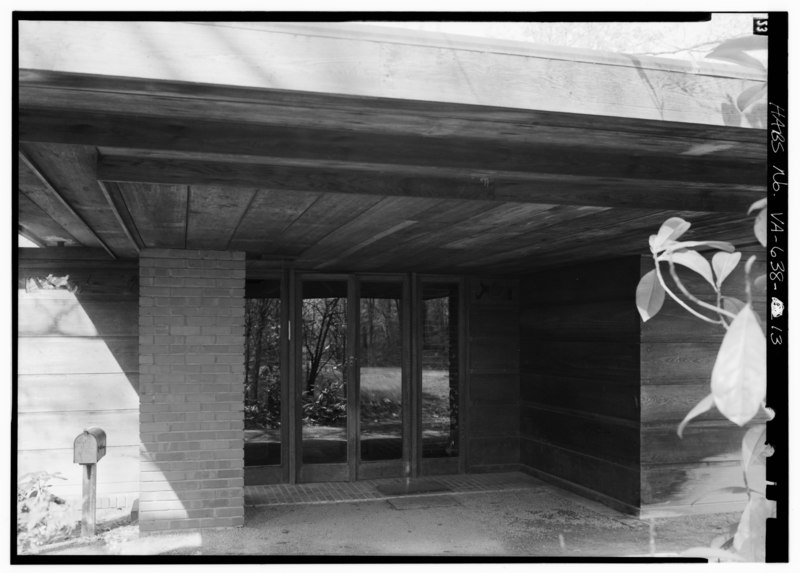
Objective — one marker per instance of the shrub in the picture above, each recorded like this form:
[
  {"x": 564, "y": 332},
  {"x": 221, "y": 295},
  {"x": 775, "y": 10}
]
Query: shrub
[{"x": 41, "y": 516}]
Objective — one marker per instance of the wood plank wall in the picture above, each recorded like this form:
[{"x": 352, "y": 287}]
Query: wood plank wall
[
  {"x": 677, "y": 356},
  {"x": 493, "y": 367},
  {"x": 78, "y": 367},
  {"x": 579, "y": 380}
]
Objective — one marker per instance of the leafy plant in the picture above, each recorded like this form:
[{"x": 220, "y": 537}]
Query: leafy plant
[
  {"x": 739, "y": 376},
  {"x": 41, "y": 516},
  {"x": 327, "y": 406},
  {"x": 750, "y": 106}
]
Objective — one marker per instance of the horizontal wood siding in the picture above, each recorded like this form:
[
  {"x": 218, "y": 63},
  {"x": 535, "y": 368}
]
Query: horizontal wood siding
[
  {"x": 493, "y": 365},
  {"x": 677, "y": 356},
  {"x": 78, "y": 366},
  {"x": 579, "y": 380}
]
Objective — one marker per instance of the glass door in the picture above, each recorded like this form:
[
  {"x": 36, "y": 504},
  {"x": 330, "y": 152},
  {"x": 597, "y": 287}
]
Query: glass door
[
  {"x": 383, "y": 423},
  {"x": 439, "y": 374},
  {"x": 265, "y": 389},
  {"x": 325, "y": 397}
]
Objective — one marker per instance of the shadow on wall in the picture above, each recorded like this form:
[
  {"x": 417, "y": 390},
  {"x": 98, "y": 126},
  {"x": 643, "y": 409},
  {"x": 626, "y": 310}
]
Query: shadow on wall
[{"x": 78, "y": 367}]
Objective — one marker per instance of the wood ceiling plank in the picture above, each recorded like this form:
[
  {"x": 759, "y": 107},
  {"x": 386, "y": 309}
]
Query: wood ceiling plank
[
  {"x": 555, "y": 220},
  {"x": 34, "y": 186},
  {"x": 52, "y": 197},
  {"x": 159, "y": 213},
  {"x": 214, "y": 214},
  {"x": 561, "y": 189},
  {"x": 329, "y": 212},
  {"x": 387, "y": 214},
  {"x": 574, "y": 158},
  {"x": 34, "y": 221},
  {"x": 407, "y": 243},
  {"x": 581, "y": 233},
  {"x": 268, "y": 216},
  {"x": 72, "y": 171},
  {"x": 627, "y": 234}
]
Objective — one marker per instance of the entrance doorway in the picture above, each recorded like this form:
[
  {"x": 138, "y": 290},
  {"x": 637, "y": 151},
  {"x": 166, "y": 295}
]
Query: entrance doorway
[{"x": 356, "y": 377}]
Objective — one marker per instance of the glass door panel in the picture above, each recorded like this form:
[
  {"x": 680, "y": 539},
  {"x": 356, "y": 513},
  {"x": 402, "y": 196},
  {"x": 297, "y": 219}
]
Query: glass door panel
[
  {"x": 381, "y": 371},
  {"x": 440, "y": 370},
  {"x": 262, "y": 401},
  {"x": 324, "y": 372}
]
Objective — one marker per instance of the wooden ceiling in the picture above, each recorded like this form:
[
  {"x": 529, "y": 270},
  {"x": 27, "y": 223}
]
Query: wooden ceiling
[{"x": 345, "y": 183}]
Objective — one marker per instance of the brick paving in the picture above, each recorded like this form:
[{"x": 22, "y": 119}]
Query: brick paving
[{"x": 338, "y": 492}]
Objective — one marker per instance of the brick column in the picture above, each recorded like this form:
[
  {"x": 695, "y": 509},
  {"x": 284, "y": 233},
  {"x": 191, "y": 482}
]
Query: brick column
[{"x": 191, "y": 356}]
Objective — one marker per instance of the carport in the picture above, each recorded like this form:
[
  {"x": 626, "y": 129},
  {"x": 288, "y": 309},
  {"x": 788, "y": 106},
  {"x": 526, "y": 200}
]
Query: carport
[{"x": 176, "y": 170}]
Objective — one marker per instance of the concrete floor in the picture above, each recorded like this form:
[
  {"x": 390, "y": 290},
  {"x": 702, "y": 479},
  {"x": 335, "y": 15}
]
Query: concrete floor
[{"x": 537, "y": 520}]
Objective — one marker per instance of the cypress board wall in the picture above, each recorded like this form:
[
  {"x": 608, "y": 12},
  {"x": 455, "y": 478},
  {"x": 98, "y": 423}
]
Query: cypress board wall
[
  {"x": 677, "y": 356},
  {"x": 579, "y": 380},
  {"x": 493, "y": 373},
  {"x": 602, "y": 393},
  {"x": 77, "y": 366}
]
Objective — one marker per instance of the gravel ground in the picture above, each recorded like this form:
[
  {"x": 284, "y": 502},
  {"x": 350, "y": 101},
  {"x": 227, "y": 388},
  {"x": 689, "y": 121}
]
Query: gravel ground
[{"x": 528, "y": 522}]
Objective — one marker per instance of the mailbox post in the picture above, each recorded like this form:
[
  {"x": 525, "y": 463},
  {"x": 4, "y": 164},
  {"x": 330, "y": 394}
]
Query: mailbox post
[{"x": 88, "y": 448}]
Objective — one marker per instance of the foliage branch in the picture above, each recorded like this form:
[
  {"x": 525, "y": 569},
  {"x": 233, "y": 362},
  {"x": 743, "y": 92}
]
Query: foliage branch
[{"x": 739, "y": 376}]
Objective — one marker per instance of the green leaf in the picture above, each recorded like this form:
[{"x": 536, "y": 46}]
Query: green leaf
[
  {"x": 760, "y": 227},
  {"x": 670, "y": 230},
  {"x": 649, "y": 296},
  {"x": 753, "y": 444},
  {"x": 723, "y": 264},
  {"x": 760, "y": 283},
  {"x": 732, "y": 304},
  {"x": 750, "y": 95},
  {"x": 711, "y": 553},
  {"x": 730, "y": 115},
  {"x": 750, "y": 42},
  {"x": 737, "y": 57},
  {"x": 751, "y": 536},
  {"x": 719, "y": 245},
  {"x": 702, "y": 407},
  {"x": 760, "y": 204},
  {"x": 732, "y": 489},
  {"x": 690, "y": 259},
  {"x": 739, "y": 377}
]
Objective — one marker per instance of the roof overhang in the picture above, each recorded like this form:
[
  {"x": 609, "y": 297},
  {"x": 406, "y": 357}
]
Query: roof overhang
[{"x": 340, "y": 148}]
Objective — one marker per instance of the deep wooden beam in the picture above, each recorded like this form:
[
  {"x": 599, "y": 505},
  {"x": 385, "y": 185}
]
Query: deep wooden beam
[
  {"x": 574, "y": 158},
  {"x": 63, "y": 205},
  {"x": 30, "y": 236},
  {"x": 123, "y": 216},
  {"x": 387, "y": 180},
  {"x": 40, "y": 91}
]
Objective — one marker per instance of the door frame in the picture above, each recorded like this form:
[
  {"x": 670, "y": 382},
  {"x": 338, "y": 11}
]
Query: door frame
[
  {"x": 401, "y": 467},
  {"x": 322, "y": 472},
  {"x": 456, "y": 464},
  {"x": 412, "y": 464}
]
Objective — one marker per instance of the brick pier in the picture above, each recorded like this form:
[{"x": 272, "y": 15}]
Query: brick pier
[{"x": 191, "y": 344}]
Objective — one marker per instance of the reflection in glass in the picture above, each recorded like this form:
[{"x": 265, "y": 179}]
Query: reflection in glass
[
  {"x": 262, "y": 384},
  {"x": 380, "y": 368},
  {"x": 440, "y": 370},
  {"x": 324, "y": 352}
]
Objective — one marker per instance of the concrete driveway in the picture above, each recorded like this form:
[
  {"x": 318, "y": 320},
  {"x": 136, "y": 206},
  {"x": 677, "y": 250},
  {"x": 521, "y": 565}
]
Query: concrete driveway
[{"x": 528, "y": 520}]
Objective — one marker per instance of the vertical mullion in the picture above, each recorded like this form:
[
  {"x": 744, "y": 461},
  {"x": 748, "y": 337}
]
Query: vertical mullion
[
  {"x": 416, "y": 376},
  {"x": 295, "y": 362},
  {"x": 464, "y": 293},
  {"x": 353, "y": 375},
  {"x": 406, "y": 375},
  {"x": 286, "y": 384}
]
